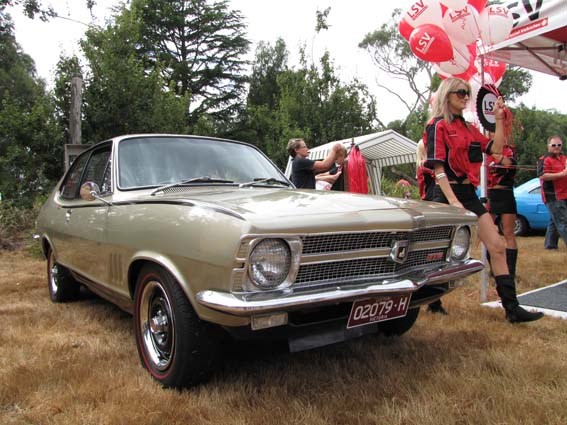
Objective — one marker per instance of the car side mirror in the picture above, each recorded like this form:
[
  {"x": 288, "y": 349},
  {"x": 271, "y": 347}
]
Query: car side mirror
[{"x": 89, "y": 191}]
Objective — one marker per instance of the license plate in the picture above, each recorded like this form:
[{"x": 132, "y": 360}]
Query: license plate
[{"x": 373, "y": 310}]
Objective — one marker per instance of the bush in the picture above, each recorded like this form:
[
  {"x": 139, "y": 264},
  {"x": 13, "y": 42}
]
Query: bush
[
  {"x": 389, "y": 188},
  {"x": 17, "y": 223}
]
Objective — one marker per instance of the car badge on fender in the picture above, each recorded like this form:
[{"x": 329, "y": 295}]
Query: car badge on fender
[{"x": 399, "y": 252}]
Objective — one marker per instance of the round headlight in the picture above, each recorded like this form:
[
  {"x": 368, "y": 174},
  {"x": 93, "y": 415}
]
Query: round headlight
[
  {"x": 461, "y": 243},
  {"x": 270, "y": 262}
]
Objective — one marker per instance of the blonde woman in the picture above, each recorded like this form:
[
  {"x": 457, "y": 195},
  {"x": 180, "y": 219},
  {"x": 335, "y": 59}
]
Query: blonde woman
[{"x": 455, "y": 148}]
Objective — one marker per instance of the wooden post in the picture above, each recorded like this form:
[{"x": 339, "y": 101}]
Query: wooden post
[{"x": 75, "y": 112}]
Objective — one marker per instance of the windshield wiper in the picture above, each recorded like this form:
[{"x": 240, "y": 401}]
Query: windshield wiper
[
  {"x": 202, "y": 179},
  {"x": 268, "y": 180}
]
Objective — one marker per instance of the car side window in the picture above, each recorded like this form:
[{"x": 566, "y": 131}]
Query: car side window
[
  {"x": 536, "y": 191},
  {"x": 106, "y": 186},
  {"x": 70, "y": 187},
  {"x": 98, "y": 170}
]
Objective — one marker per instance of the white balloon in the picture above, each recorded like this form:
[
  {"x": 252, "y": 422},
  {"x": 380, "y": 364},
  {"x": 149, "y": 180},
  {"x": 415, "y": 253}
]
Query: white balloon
[
  {"x": 495, "y": 24},
  {"x": 477, "y": 78},
  {"x": 455, "y": 4},
  {"x": 459, "y": 63},
  {"x": 423, "y": 12},
  {"x": 462, "y": 25}
]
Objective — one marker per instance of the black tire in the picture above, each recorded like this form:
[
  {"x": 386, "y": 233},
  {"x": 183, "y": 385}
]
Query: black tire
[
  {"x": 175, "y": 346},
  {"x": 521, "y": 226},
  {"x": 397, "y": 327},
  {"x": 62, "y": 286}
]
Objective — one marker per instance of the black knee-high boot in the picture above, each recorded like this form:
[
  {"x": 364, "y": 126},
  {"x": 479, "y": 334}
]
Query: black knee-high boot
[
  {"x": 511, "y": 260},
  {"x": 506, "y": 288}
]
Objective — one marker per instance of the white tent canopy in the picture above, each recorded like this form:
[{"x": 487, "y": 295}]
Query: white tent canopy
[
  {"x": 380, "y": 150},
  {"x": 538, "y": 40}
]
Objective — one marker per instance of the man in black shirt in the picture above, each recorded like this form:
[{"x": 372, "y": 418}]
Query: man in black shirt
[{"x": 302, "y": 168}]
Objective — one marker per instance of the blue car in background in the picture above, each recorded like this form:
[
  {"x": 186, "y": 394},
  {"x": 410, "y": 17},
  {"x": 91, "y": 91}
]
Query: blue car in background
[{"x": 532, "y": 212}]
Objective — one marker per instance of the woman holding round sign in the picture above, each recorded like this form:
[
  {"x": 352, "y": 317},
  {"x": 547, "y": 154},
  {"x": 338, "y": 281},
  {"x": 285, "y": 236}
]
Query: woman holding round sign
[{"x": 454, "y": 149}]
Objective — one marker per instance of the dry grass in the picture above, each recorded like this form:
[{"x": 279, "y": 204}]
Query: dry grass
[{"x": 77, "y": 364}]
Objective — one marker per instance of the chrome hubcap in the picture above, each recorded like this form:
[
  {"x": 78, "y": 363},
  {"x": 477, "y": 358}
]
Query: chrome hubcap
[
  {"x": 156, "y": 325},
  {"x": 53, "y": 274}
]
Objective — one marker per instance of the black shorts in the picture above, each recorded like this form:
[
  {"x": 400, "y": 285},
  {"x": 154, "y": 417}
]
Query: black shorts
[
  {"x": 502, "y": 201},
  {"x": 466, "y": 195}
]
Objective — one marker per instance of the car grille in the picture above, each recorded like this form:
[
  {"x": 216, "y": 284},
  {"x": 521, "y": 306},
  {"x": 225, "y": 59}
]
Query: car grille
[
  {"x": 357, "y": 241},
  {"x": 428, "y": 247}
]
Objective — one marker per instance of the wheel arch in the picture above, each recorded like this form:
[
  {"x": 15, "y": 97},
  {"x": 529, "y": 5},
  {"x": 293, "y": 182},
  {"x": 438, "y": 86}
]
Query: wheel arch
[
  {"x": 167, "y": 265},
  {"x": 46, "y": 246}
]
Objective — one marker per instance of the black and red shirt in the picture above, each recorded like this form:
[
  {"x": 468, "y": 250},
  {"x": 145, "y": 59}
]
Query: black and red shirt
[
  {"x": 499, "y": 174},
  {"x": 426, "y": 182},
  {"x": 552, "y": 190},
  {"x": 458, "y": 145}
]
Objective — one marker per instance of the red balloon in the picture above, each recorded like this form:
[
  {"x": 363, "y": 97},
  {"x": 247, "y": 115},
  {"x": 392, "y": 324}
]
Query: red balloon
[
  {"x": 405, "y": 29},
  {"x": 430, "y": 43},
  {"x": 478, "y": 4},
  {"x": 494, "y": 68}
]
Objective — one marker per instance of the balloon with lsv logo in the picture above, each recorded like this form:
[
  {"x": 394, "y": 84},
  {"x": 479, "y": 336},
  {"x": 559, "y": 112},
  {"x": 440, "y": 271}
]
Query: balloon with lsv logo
[
  {"x": 405, "y": 29},
  {"x": 478, "y": 4},
  {"x": 459, "y": 63},
  {"x": 454, "y": 4},
  {"x": 495, "y": 69},
  {"x": 424, "y": 12},
  {"x": 430, "y": 43},
  {"x": 461, "y": 25},
  {"x": 495, "y": 24}
]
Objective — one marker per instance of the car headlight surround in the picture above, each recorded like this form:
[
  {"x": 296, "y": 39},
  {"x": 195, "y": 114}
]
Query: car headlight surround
[
  {"x": 269, "y": 263},
  {"x": 461, "y": 243}
]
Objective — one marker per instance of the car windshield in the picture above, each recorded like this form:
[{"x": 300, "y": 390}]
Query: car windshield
[{"x": 158, "y": 161}]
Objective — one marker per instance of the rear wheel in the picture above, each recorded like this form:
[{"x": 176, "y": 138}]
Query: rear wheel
[
  {"x": 397, "y": 327},
  {"x": 177, "y": 348},
  {"x": 521, "y": 226},
  {"x": 62, "y": 286}
]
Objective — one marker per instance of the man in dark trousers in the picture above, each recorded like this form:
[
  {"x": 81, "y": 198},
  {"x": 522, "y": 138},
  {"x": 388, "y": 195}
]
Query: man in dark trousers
[{"x": 552, "y": 171}]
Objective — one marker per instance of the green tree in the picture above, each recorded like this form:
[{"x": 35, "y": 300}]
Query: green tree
[
  {"x": 198, "y": 48},
  {"x": 30, "y": 140},
  {"x": 66, "y": 68},
  {"x": 392, "y": 55},
  {"x": 33, "y": 8},
  {"x": 531, "y": 131},
  {"x": 120, "y": 95},
  {"x": 310, "y": 102}
]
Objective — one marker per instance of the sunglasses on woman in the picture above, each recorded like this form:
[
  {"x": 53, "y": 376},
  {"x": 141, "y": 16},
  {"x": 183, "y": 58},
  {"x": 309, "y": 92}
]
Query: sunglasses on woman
[
  {"x": 556, "y": 145},
  {"x": 461, "y": 93}
]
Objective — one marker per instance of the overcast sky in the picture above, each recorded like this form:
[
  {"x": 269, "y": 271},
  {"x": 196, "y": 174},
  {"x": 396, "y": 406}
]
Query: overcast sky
[{"x": 292, "y": 20}]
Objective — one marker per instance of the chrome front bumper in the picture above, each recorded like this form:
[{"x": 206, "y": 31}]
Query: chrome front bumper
[{"x": 286, "y": 300}]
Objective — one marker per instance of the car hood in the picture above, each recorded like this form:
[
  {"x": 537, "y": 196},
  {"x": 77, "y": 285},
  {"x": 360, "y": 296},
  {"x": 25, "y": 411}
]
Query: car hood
[{"x": 278, "y": 206}]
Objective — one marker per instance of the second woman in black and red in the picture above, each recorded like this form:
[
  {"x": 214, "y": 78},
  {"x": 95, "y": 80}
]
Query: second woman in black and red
[
  {"x": 501, "y": 200},
  {"x": 455, "y": 148}
]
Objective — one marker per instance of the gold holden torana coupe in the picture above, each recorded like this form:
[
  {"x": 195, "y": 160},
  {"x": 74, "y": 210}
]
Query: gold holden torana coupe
[{"x": 202, "y": 238}]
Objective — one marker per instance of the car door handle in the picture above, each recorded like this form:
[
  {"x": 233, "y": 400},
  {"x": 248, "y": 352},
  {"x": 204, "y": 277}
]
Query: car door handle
[{"x": 68, "y": 215}]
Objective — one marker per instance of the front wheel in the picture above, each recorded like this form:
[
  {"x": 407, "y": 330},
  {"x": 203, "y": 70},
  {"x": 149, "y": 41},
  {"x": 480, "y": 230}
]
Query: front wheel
[
  {"x": 175, "y": 346},
  {"x": 62, "y": 286},
  {"x": 397, "y": 327}
]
